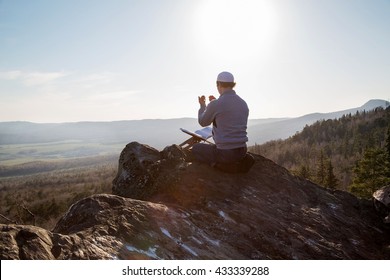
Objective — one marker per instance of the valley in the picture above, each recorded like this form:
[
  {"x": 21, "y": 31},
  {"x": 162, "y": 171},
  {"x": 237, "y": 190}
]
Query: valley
[{"x": 44, "y": 168}]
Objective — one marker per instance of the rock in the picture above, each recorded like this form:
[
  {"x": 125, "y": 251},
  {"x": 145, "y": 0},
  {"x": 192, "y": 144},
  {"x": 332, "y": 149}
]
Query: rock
[
  {"x": 34, "y": 243},
  {"x": 382, "y": 203},
  {"x": 144, "y": 171},
  {"x": 191, "y": 211},
  {"x": 25, "y": 242},
  {"x": 135, "y": 177}
]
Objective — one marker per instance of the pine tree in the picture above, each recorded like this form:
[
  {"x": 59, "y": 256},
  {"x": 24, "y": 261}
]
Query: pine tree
[
  {"x": 371, "y": 173},
  {"x": 387, "y": 152},
  {"x": 331, "y": 180},
  {"x": 388, "y": 147},
  {"x": 320, "y": 176},
  {"x": 304, "y": 172}
]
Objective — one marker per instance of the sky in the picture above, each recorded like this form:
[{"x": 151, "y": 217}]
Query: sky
[{"x": 93, "y": 60}]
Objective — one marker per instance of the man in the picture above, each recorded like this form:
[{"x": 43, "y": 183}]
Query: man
[{"x": 229, "y": 116}]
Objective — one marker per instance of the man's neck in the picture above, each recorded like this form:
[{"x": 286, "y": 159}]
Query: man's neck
[{"x": 224, "y": 90}]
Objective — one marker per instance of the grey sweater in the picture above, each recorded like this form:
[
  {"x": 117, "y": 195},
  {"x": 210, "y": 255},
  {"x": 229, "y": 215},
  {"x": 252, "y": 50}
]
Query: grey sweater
[{"x": 229, "y": 116}]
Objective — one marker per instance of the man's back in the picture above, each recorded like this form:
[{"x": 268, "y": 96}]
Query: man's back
[{"x": 230, "y": 121}]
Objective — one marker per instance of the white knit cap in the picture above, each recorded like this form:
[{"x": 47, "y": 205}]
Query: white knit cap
[{"x": 225, "y": 77}]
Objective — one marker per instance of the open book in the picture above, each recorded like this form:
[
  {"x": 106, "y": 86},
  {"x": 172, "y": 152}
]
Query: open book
[{"x": 203, "y": 134}]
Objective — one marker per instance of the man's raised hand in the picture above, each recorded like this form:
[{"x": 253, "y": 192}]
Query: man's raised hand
[
  {"x": 212, "y": 97},
  {"x": 202, "y": 100}
]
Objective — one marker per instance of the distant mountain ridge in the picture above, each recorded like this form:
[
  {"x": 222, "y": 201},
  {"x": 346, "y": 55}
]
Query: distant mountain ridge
[{"x": 156, "y": 132}]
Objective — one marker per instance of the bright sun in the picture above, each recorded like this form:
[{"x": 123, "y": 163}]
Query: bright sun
[{"x": 236, "y": 29}]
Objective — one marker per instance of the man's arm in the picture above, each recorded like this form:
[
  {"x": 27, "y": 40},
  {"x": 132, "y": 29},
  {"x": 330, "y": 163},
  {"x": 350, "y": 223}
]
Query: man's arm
[{"x": 206, "y": 114}]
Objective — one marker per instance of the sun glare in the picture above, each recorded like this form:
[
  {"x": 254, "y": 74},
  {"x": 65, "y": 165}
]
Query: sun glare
[{"x": 236, "y": 29}]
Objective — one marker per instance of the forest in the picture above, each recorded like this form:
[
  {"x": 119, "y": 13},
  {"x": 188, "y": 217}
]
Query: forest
[
  {"x": 41, "y": 198},
  {"x": 351, "y": 153}
]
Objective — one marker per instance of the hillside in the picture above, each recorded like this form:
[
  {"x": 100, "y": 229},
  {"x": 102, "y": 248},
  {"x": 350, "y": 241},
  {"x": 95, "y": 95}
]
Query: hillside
[
  {"x": 179, "y": 210},
  {"x": 341, "y": 142},
  {"x": 260, "y": 133}
]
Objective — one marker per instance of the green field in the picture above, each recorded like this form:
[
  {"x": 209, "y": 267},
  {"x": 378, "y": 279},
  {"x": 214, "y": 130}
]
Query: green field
[{"x": 29, "y": 159}]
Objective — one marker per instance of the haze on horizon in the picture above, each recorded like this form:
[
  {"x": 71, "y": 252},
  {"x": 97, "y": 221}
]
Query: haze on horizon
[{"x": 64, "y": 61}]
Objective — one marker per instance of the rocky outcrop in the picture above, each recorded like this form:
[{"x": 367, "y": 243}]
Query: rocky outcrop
[
  {"x": 382, "y": 203},
  {"x": 163, "y": 207},
  {"x": 33, "y": 243}
]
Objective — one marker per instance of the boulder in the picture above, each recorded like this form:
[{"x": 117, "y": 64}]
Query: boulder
[{"x": 382, "y": 203}]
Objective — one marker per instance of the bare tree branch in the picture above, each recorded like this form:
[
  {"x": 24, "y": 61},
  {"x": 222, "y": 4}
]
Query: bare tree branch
[
  {"x": 7, "y": 219},
  {"x": 28, "y": 211}
]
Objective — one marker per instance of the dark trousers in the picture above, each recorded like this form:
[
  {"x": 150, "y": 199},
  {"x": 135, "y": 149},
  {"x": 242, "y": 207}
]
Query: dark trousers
[{"x": 208, "y": 153}]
